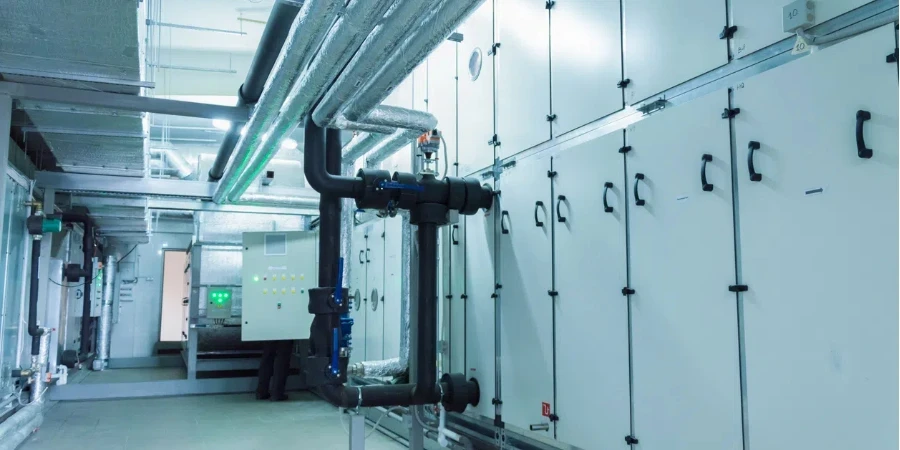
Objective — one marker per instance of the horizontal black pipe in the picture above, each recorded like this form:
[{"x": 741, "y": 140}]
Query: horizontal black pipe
[
  {"x": 33, "y": 330},
  {"x": 281, "y": 18},
  {"x": 376, "y": 395}
]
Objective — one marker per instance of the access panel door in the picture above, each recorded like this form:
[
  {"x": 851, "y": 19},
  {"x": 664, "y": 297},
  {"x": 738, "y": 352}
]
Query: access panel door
[
  {"x": 375, "y": 289},
  {"x": 523, "y": 75},
  {"x": 760, "y": 21},
  {"x": 526, "y": 308},
  {"x": 686, "y": 368},
  {"x": 357, "y": 285},
  {"x": 591, "y": 313},
  {"x": 586, "y": 62},
  {"x": 476, "y": 90},
  {"x": 480, "y": 329},
  {"x": 456, "y": 310},
  {"x": 392, "y": 288},
  {"x": 669, "y": 42},
  {"x": 442, "y": 97},
  {"x": 819, "y": 247}
]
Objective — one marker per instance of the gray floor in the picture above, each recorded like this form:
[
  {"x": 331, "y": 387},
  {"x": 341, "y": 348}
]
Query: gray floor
[
  {"x": 214, "y": 422},
  {"x": 134, "y": 375}
]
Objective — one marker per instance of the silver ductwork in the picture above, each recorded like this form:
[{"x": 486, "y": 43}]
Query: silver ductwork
[
  {"x": 343, "y": 124},
  {"x": 104, "y": 329},
  {"x": 39, "y": 366},
  {"x": 311, "y": 24},
  {"x": 374, "y": 51},
  {"x": 341, "y": 42},
  {"x": 428, "y": 36},
  {"x": 396, "y": 117},
  {"x": 392, "y": 145},
  {"x": 292, "y": 201},
  {"x": 173, "y": 160},
  {"x": 360, "y": 145}
]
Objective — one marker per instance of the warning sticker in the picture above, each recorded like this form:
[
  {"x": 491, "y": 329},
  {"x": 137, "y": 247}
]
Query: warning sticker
[{"x": 545, "y": 409}]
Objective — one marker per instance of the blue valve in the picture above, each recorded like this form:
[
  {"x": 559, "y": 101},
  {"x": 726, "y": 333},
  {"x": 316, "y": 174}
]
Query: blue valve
[
  {"x": 335, "y": 352},
  {"x": 401, "y": 186}
]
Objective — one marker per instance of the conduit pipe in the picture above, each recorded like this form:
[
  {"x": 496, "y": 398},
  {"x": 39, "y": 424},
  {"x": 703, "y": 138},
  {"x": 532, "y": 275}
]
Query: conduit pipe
[
  {"x": 341, "y": 42},
  {"x": 378, "y": 47},
  {"x": 428, "y": 36},
  {"x": 311, "y": 24},
  {"x": 276, "y": 31}
]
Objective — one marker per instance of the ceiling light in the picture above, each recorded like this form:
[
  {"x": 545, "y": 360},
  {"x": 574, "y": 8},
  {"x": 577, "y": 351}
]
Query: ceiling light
[
  {"x": 289, "y": 144},
  {"x": 222, "y": 124},
  {"x": 244, "y": 130}
]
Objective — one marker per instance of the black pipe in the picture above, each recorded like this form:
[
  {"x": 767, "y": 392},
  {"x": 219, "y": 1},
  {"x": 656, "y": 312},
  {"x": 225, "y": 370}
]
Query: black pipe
[
  {"x": 426, "y": 315},
  {"x": 330, "y": 215},
  {"x": 315, "y": 167},
  {"x": 281, "y": 18},
  {"x": 33, "y": 330},
  {"x": 87, "y": 272}
]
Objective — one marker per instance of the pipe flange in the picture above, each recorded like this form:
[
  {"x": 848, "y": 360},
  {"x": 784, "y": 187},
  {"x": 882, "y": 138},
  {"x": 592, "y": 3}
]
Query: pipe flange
[
  {"x": 459, "y": 392},
  {"x": 456, "y": 197},
  {"x": 407, "y": 198},
  {"x": 374, "y": 196},
  {"x": 477, "y": 197}
]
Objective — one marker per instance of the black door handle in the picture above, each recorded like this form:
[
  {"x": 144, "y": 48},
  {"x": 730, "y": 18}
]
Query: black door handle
[
  {"x": 706, "y": 186},
  {"x": 503, "y": 228},
  {"x": 538, "y": 222},
  {"x": 606, "y": 187},
  {"x": 559, "y": 200},
  {"x": 361, "y": 257},
  {"x": 367, "y": 256},
  {"x": 453, "y": 235},
  {"x": 754, "y": 176},
  {"x": 861, "y": 150},
  {"x": 637, "y": 198}
]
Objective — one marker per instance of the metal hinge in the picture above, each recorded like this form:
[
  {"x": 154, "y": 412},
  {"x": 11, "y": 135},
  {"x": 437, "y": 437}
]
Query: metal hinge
[
  {"x": 495, "y": 140},
  {"x": 552, "y": 293},
  {"x": 464, "y": 296},
  {"x": 729, "y": 113},
  {"x": 494, "y": 49},
  {"x": 554, "y": 418},
  {"x": 738, "y": 288},
  {"x": 449, "y": 296},
  {"x": 494, "y": 295},
  {"x": 627, "y": 291},
  {"x": 631, "y": 440},
  {"x": 728, "y": 32},
  {"x": 551, "y": 173},
  {"x": 498, "y": 286},
  {"x": 624, "y": 83},
  {"x": 892, "y": 58},
  {"x": 625, "y": 149},
  {"x": 654, "y": 106},
  {"x": 551, "y": 117},
  {"x": 549, "y": 4},
  {"x": 496, "y": 401}
]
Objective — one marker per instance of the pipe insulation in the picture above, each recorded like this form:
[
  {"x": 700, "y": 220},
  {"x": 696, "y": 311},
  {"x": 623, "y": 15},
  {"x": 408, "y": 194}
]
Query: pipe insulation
[
  {"x": 104, "y": 329},
  {"x": 343, "y": 124},
  {"x": 360, "y": 145},
  {"x": 429, "y": 34},
  {"x": 18, "y": 427},
  {"x": 39, "y": 367},
  {"x": 391, "y": 145},
  {"x": 173, "y": 160},
  {"x": 393, "y": 116},
  {"x": 311, "y": 24},
  {"x": 374, "y": 51},
  {"x": 341, "y": 42},
  {"x": 290, "y": 201}
]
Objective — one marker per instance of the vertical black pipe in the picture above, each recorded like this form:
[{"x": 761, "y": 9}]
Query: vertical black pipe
[
  {"x": 330, "y": 214},
  {"x": 426, "y": 316},
  {"x": 87, "y": 244},
  {"x": 33, "y": 329}
]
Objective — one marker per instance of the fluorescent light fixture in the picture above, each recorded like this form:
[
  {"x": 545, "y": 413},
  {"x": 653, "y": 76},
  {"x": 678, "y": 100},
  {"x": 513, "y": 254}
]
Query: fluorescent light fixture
[
  {"x": 289, "y": 144},
  {"x": 244, "y": 130},
  {"x": 222, "y": 124}
]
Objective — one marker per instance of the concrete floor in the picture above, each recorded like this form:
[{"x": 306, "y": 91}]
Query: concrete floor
[
  {"x": 214, "y": 422},
  {"x": 134, "y": 375}
]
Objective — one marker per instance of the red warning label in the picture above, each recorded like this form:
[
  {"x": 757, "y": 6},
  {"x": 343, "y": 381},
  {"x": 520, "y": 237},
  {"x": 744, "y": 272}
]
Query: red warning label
[{"x": 545, "y": 409}]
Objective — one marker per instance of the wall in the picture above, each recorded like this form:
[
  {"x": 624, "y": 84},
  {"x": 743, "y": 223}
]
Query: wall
[{"x": 136, "y": 332}]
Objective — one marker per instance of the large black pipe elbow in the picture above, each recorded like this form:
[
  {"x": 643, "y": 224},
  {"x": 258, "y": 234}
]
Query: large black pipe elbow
[{"x": 315, "y": 169}]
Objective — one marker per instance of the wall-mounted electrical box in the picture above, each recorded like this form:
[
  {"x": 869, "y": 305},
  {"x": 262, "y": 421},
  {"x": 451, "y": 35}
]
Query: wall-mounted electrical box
[
  {"x": 278, "y": 268},
  {"x": 218, "y": 302}
]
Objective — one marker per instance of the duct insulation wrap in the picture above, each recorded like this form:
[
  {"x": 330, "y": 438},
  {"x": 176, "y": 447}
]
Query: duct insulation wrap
[
  {"x": 392, "y": 145},
  {"x": 384, "y": 368},
  {"x": 344, "y": 124},
  {"x": 339, "y": 45},
  {"x": 393, "y": 116},
  {"x": 406, "y": 284},
  {"x": 39, "y": 365},
  {"x": 360, "y": 145},
  {"x": 311, "y": 24},
  {"x": 18, "y": 427},
  {"x": 374, "y": 51},
  {"x": 427, "y": 37},
  {"x": 348, "y": 209},
  {"x": 104, "y": 330},
  {"x": 216, "y": 227}
]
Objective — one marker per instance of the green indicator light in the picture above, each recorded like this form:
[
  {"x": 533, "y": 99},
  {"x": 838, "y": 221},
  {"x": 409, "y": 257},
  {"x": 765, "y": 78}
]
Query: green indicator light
[
  {"x": 255, "y": 277},
  {"x": 226, "y": 295}
]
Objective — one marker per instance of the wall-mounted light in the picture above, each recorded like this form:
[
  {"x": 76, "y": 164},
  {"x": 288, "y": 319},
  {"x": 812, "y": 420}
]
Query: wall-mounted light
[
  {"x": 289, "y": 144},
  {"x": 222, "y": 124}
]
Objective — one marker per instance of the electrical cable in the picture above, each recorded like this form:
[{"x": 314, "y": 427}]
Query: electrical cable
[
  {"x": 446, "y": 158},
  {"x": 77, "y": 285},
  {"x": 126, "y": 255}
]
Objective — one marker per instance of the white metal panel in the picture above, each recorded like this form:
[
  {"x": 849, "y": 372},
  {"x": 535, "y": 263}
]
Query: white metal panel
[
  {"x": 683, "y": 318},
  {"x": 819, "y": 248},
  {"x": 480, "y": 329},
  {"x": 476, "y": 93},
  {"x": 375, "y": 290},
  {"x": 358, "y": 283},
  {"x": 523, "y": 75},
  {"x": 402, "y": 95},
  {"x": 442, "y": 97},
  {"x": 526, "y": 318},
  {"x": 586, "y": 62},
  {"x": 667, "y": 43},
  {"x": 591, "y": 313},
  {"x": 391, "y": 303},
  {"x": 759, "y": 22},
  {"x": 420, "y": 87},
  {"x": 457, "y": 310}
]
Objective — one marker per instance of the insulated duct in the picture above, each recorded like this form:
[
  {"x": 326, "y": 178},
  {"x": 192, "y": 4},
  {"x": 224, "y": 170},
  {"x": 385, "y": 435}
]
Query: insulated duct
[
  {"x": 428, "y": 36},
  {"x": 341, "y": 42},
  {"x": 39, "y": 367},
  {"x": 311, "y": 23},
  {"x": 18, "y": 427},
  {"x": 343, "y": 124},
  {"x": 360, "y": 145},
  {"x": 391, "y": 145},
  {"x": 393, "y": 116},
  {"x": 174, "y": 161},
  {"x": 290, "y": 201},
  {"x": 104, "y": 329},
  {"x": 377, "y": 48}
]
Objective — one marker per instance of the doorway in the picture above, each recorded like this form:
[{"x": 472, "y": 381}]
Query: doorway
[{"x": 173, "y": 319}]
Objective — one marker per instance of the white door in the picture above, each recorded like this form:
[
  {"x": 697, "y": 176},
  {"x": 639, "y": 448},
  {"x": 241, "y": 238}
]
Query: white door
[
  {"x": 591, "y": 312},
  {"x": 819, "y": 248},
  {"x": 375, "y": 290},
  {"x": 686, "y": 367},
  {"x": 669, "y": 42},
  {"x": 760, "y": 24},
  {"x": 584, "y": 77},
  {"x": 442, "y": 98},
  {"x": 357, "y": 288},
  {"x": 526, "y": 307},
  {"x": 392, "y": 279},
  {"x": 523, "y": 75},
  {"x": 480, "y": 342},
  {"x": 476, "y": 90}
]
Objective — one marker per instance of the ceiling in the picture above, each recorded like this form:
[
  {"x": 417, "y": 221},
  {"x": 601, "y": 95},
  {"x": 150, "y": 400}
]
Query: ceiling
[{"x": 244, "y": 18}]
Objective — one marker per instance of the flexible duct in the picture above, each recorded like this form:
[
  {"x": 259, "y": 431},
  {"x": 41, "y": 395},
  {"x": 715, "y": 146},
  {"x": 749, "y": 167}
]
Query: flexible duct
[
  {"x": 341, "y": 42},
  {"x": 173, "y": 160},
  {"x": 311, "y": 24},
  {"x": 428, "y": 36},
  {"x": 374, "y": 51},
  {"x": 104, "y": 330},
  {"x": 388, "y": 147},
  {"x": 360, "y": 145},
  {"x": 18, "y": 427},
  {"x": 278, "y": 25}
]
